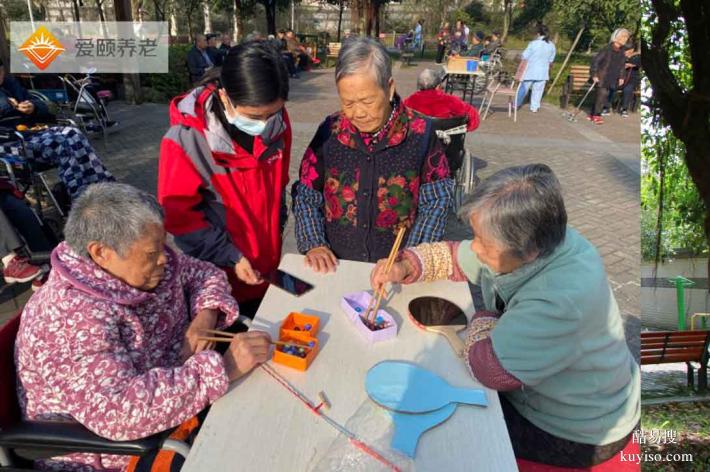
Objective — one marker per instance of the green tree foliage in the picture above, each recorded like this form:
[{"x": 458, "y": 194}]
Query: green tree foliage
[
  {"x": 598, "y": 17},
  {"x": 676, "y": 185},
  {"x": 666, "y": 185}
]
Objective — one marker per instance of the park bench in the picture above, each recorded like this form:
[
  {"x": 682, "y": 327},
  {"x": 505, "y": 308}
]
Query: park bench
[
  {"x": 664, "y": 347},
  {"x": 333, "y": 51},
  {"x": 577, "y": 83}
]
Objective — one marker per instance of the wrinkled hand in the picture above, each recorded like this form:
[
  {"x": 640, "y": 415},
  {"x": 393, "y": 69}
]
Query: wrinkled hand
[
  {"x": 26, "y": 107},
  {"x": 398, "y": 272},
  {"x": 246, "y": 273},
  {"x": 621, "y": 82},
  {"x": 246, "y": 351},
  {"x": 205, "y": 319},
  {"x": 595, "y": 80},
  {"x": 321, "y": 259}
]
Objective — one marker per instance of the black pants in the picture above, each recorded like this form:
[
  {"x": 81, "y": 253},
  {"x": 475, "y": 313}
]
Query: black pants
[
  {"x": 9, "y": 239},
  {"x": 533, "y": 444},
  {"x": 16, "y": 217},
  {"x": 290, "y": 63},
  {"x": 304, "y": 62},
  {"x": 601, "y": 100},
  {"x": 628, "y": 93},
  {"x": 440, "y": 53}
]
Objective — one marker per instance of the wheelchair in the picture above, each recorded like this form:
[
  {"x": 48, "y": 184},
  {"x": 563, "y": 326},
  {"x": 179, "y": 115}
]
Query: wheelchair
[
  {"x": 50, "y": 202},
  {"x": 452, "y": 134},
  {"x": 22, "y": 441}
]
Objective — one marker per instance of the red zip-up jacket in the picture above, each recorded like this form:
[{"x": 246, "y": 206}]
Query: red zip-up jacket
[{"x": 220, "y": 201}]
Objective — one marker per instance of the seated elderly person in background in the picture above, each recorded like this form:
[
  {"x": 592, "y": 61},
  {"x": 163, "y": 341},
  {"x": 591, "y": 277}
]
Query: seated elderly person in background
[
  {"x": 551, "y": 339},
  {"x": 113, "y": 338},
  {"x": 370, "y": 169},
  {"x": 63, "y": 146},
  {"x": 431, "y": 100}
]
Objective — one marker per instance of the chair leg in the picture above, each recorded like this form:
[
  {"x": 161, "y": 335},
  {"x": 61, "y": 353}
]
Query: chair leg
[
  {"x": 691, "y": 380},
  {"x": 515, "y": 109}
]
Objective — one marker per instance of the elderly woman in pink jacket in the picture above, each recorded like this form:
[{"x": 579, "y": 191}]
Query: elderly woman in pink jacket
[{"x": 113, "y": 339}]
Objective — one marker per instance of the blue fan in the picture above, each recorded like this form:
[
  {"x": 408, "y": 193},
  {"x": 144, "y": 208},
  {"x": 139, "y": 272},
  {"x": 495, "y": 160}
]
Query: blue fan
[{"x": 407, "y": 388}]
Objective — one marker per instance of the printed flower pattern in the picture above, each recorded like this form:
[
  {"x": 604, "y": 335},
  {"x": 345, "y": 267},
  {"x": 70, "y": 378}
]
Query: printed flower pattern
[
  {"x": 92, "y": 349},
  {"x": 308, "y": 168},
  {"x": 340, "y": 192},
  {"x": 397, "y": 201}
]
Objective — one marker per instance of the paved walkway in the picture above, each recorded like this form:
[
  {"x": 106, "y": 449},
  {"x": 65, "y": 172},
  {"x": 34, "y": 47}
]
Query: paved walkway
[{"x": 598, "y": 167}]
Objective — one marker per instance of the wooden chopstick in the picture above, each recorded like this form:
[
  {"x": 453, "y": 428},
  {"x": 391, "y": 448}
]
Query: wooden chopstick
[
  {"x": 388, "y": 266},
  {"x": 275, "y": 343},
  {"x": 218, "y": 332}
]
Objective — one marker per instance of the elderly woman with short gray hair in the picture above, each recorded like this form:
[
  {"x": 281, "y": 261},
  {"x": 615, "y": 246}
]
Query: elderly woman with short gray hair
[
  {"x": 114, "y": 339},
  {"x": 370, "y": 169},
  {"x": 550, "y": 337}
]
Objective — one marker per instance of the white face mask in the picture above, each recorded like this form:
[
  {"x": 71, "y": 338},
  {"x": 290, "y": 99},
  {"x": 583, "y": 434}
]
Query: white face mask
[
  {"x": 268, "y": 129},
  {"x": 248, "y": 125}
]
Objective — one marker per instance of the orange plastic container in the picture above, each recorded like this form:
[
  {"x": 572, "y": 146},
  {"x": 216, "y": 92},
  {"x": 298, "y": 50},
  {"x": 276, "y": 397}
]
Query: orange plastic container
[
  {"x": 295, "y": 362},
  {"x": 296, "y": 323},
  {"x": 293, "y": 328}
]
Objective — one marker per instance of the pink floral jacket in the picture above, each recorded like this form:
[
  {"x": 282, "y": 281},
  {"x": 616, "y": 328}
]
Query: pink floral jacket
[{"x": 95, "y": 350}]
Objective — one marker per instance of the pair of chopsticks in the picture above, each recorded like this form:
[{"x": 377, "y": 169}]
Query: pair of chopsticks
[
  {"x": 224, "y": 337},
  {"x": 370, "y": 313}
]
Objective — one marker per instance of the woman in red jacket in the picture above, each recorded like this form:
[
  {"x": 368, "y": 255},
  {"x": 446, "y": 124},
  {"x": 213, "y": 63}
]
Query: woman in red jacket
[{"x": 224, "y": 167}]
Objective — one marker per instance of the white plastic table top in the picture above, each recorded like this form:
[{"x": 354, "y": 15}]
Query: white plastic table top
[{"x": 260, "y": 426}]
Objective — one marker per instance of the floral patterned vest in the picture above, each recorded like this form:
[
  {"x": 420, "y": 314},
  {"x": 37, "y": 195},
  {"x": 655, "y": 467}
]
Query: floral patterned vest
[{"x": 371, "y": 183}]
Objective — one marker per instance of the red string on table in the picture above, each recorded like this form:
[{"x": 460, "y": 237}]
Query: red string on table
[{"x": 316, "y": 410}]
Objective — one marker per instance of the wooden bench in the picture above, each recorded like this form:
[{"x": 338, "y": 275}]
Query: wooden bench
[
  {"x": 577, "y": 83},
  {"x": 333, "y": 51},
  {"x": 664, "y": 347}
]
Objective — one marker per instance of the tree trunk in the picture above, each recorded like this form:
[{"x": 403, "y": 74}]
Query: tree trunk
[
  {"x": 507, "y": 17},
  {"x": 569, "y": 54},
  {"x": 75, "y": 10},
  {"x": 237, "y": 19},
  {"x": 131, "y": 82},
  {"x": 370, "y": 17},
  {"x": 687, "y": 112},
  {"x": 341, "y": 7},
  {"x": 99, "y": 7},
  {"x": 377, "y": 20},
  {"x": 4, "y": 37},
  {"x": 270, "y": 7},
  {"x": 207, "y": 16},
  {"x": 355, "y": 8}
]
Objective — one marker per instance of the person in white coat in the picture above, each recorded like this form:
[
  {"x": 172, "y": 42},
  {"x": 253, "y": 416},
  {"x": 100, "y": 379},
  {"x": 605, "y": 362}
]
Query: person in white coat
[{"x": 539, "y": 54}]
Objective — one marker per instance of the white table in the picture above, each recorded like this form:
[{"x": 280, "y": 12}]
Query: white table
[
  {"x": 259, "y": 426},
  {"x": 477, "y": 72}
]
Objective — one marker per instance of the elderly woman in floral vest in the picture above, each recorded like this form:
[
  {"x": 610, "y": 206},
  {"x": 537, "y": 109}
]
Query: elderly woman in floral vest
[{"x": 369, "y": 170}]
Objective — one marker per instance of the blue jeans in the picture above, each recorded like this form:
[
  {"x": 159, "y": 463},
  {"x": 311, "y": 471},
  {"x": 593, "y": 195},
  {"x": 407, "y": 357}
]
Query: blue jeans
[{"x": 537, "y": 88}]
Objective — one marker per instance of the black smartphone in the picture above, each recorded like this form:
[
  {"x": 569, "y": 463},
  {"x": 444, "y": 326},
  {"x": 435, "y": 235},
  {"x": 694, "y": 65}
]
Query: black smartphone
[{"x": 288, "y": 282}]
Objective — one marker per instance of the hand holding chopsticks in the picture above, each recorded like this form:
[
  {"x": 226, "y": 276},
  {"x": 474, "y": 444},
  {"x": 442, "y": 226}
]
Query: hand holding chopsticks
[
  {"x": 371, "y": 313},
  {"x": 245, "y": 351}
]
